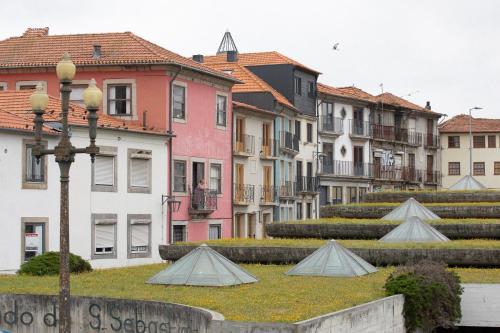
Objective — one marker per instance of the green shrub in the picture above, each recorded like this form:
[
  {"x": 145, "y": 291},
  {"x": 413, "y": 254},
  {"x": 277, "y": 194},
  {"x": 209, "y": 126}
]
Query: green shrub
[
  {"x": 48, "y": 264},
  {"x": 432, "y": 295}
]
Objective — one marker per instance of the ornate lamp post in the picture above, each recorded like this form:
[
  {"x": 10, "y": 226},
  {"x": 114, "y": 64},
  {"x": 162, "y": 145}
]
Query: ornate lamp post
[{"x": 65, "y": 155}]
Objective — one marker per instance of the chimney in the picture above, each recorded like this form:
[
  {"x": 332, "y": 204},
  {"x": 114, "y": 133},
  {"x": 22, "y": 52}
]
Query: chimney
[
  {"x": 232, "y": 56},
  {"x": 428, "y": 105},
  {"x": 36, "y": 32},
  {"x": 96, "y": 54},
  {"x": 198, "y": 58}
]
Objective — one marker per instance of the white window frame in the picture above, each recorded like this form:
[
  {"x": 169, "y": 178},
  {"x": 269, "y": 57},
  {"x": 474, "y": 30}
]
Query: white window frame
[
  {"x": 104, "y": 219},
  {"x": 139, "y": 154},
  {"x": 185, "y": 86},
  {"x": 138, "y": 219},
  {"x": 186, "y": 175},
  {"x": 33, "y": 185},
  {"x": 221, "y": 94},
  {"x": 180, "y": 223},
  {"x": 216, "y": 223},
  {"x": 133, "y": 104},
  {"x": 220, "y": 176},
  {"x": 31, "y": 83},
  {"x": 107, "y": 152},
  {"x": 4, "y": 86}
]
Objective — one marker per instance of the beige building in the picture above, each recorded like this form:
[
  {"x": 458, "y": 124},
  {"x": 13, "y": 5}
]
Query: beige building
[{"x": 455, "y": 161}]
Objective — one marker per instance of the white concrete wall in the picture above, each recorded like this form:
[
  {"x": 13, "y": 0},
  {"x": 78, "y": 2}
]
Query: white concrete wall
[{"x": 16, "y": 203}]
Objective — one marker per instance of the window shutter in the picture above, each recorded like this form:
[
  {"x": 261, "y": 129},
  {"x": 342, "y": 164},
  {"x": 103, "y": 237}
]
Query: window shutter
[
  {"x": 104, "y": 236},
  {"x": 140, "y": 237},
  {"x": 104, "y": 170},
  {"x": 139, "y": 172},
  {"x": 128, "y": 94}
]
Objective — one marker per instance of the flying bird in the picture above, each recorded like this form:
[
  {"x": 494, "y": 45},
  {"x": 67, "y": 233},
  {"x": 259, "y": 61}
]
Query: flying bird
[{"x": 336, "y": 46}]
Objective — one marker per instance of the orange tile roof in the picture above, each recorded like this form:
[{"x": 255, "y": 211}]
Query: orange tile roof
[
  {"x": 390, "y": 99},
  {"x": 17, "y": 103},
  {"x": 250, "y": 81},
  {"x": 13, "y": 121},
  {"x": 260, "y": 58},
  {"x": 36, "y": 48},
  {"x": 460, "y": 124},
  {"x": 347, "y": 92},
  {"x": 251, "y": 108}
]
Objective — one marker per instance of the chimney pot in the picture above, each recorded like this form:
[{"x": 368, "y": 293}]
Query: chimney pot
[
  {"x": 96, "y": 54},
  {"x": 428, "y": 105},
  {"x": 198, "y": 58},
  {"x": 231, "y": 56}
]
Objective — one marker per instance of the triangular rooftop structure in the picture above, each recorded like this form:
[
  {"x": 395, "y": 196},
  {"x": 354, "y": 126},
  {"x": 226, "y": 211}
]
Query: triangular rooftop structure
[
  {"x": 409, "y": 208},
  {"x": 227, "y": 44},
  {"x": 203, "y": 267},
  {"x": 332, "y": 259},
  {"x": 467, "y": 183},
  {"x": 414, "y": 230}
]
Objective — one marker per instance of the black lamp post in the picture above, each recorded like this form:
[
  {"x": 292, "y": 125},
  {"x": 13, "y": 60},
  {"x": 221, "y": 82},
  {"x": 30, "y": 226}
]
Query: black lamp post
[{"x": 65, "y": 155}]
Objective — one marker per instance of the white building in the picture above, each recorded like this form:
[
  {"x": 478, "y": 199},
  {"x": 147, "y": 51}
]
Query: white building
[{"x": 116, "y": 213}]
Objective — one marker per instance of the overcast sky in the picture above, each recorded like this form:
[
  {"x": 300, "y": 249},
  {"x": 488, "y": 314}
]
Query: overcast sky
[{"x": 444, "y": 51}]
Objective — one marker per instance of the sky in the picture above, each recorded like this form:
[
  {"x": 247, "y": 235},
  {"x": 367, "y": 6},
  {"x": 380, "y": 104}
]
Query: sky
[{"x": 443, "y": 51}]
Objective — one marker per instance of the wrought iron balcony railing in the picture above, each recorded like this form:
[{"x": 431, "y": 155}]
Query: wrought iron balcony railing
[
  {"x": 360, "y": 128},
  {"x": 289, "y": 141},
  {"x": 245, "y": 145},
  {"x": 244, "y": 193},
  {"x": 431, "y": 140},
  {"x": 203, "y": 200},
  {"x": 269, "y": 149},
  {"x": 331, "y": 125},
  {"x": 307, "y": 184},
  {"x": 383, "y": 132},
  {"x": 345, "y": 168},
  {"x": 268, "y": 194},
  {"x": 287, "y": 189}
]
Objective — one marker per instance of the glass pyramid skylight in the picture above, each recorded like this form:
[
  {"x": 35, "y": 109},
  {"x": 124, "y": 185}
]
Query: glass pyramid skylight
[
  {"x": 409, "y": 208},
  {"x": 203, "y": 267},
  {"x": 467, "y": 183},
  {"x": 414, "y": 230}
]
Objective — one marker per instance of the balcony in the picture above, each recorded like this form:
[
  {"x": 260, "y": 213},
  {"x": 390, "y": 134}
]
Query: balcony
[
  {"x": 329, "y": 125},
  {"x": 383, "y": 132},
  {"x": 269, "y": 150},
  {"x": 307, "y": 185},
  {"x": 245, "y": 145},
  {"x": 287, "y": 189},
  {"x": 345, "y": 169},
  {"x": 244, "y": 194},
  {"x": 203, "y": 202},
  {"x": 431, "y": 141},
  {"x": 268, "y": 195},
  {"x": 389, "y": 172},
  {"x": 405, "y": 173},
  {"x": 289, "y": 142},
  {"x": 431, "y": 177},
  {"x": 407, "y": 136},
  {"x": 361, "y": 129}
]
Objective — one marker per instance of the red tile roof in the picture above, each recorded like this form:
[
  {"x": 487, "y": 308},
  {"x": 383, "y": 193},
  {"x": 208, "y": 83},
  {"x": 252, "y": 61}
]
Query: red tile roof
[
  {"x": 36, "y": 48},
  {"x": 251, "y": 82},
  {"x": 251, "y": 108},
  {"x": 460, "y": 124},
  {"x": 390, "y": 99},
  {"x": 347, "y": 92},
  {"x": 260, "y": 58},
  {"x": 15, "y": 110}
]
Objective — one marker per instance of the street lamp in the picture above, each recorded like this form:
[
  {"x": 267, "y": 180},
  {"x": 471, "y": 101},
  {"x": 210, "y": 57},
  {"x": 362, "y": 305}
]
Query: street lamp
[
  {"x": 65, "y": 155},
  {"x": 470, "y": 137}
]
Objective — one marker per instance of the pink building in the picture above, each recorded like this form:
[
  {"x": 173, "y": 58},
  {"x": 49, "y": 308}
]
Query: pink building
[{"x": 137, "y": 78}]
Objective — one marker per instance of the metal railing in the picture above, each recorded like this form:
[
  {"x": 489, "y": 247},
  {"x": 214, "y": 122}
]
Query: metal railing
[
  {"x": 244, "y": 193},
  {"x": 360, "y": 128},
  {"x": 246, "y": 145},
  {"x": 268, "y": 194},
  {"x": 383, "y": 132},
  {"x": 203, "y": 200},
  {"x": 307, "y": 184},
  {"x": 408, "y": 136},
  {"x": 345, "y": 168},
  {"x": 287, "y": 189},
  {"x": 289, "y": 141},
  {"x": 388, "y": 172},
  {"x": 329, "y": 124},
  {"x": 431, "y": 140},
  {"x": 269, "y": 149}
]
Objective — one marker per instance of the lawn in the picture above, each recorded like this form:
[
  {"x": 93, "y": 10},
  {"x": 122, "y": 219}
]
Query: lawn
[
  {"x": 355, "y": 243},
  {"x": 340, "y": 220},
  {"x": 275, "y": 298}
]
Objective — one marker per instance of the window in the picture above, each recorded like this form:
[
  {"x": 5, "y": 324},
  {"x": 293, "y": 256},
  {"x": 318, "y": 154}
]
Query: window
[
  {"x": 104, "y": 236},
  {"x": 76, "y": 95},
  {"x": 139, "y": 235},
  {"x": 221, "y": 110},
  {"x": 180, "y": 176},
  {"x": 139, "y": 171},
  {"x": 496, "y": 169},
  {"x": 479, "y": 141},
  {"x": 120, "y": 99},
  {"x": 34, "y": 172},
  {"x": 492, "y": 141},
  {"x": 336, "y": 195},
  {"x": 309, "y": 132},
  {"x": 27, "y": 87},
  {"x": 311, "y": 92},
  {"x": 216, "y": 178},
  {"x": 453, "y": 142},
  {"x": 298, "y": 132},
  {"x": 453, "y": 168},
  {"x": 34, "y": 237},
  {"x": 214, "y": 231},
  {"x": 309, "y": 210},
  {"x": 298, "y": 85},
  {"x": 362, "y": 192},
  {"x": 479, "y": 169},
  {"x": 179, "y": 102},
  {"x": 352, "y": 194},
  {"x": 3, "y": 86},
  {"x": 299, "y": 210},
  {"x": 104, "y": 170},
  {"x": 179, "y": 233}
]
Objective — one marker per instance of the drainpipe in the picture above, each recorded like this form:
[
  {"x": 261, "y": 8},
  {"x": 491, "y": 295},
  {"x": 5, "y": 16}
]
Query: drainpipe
[{"x": 170, "y": 162}]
